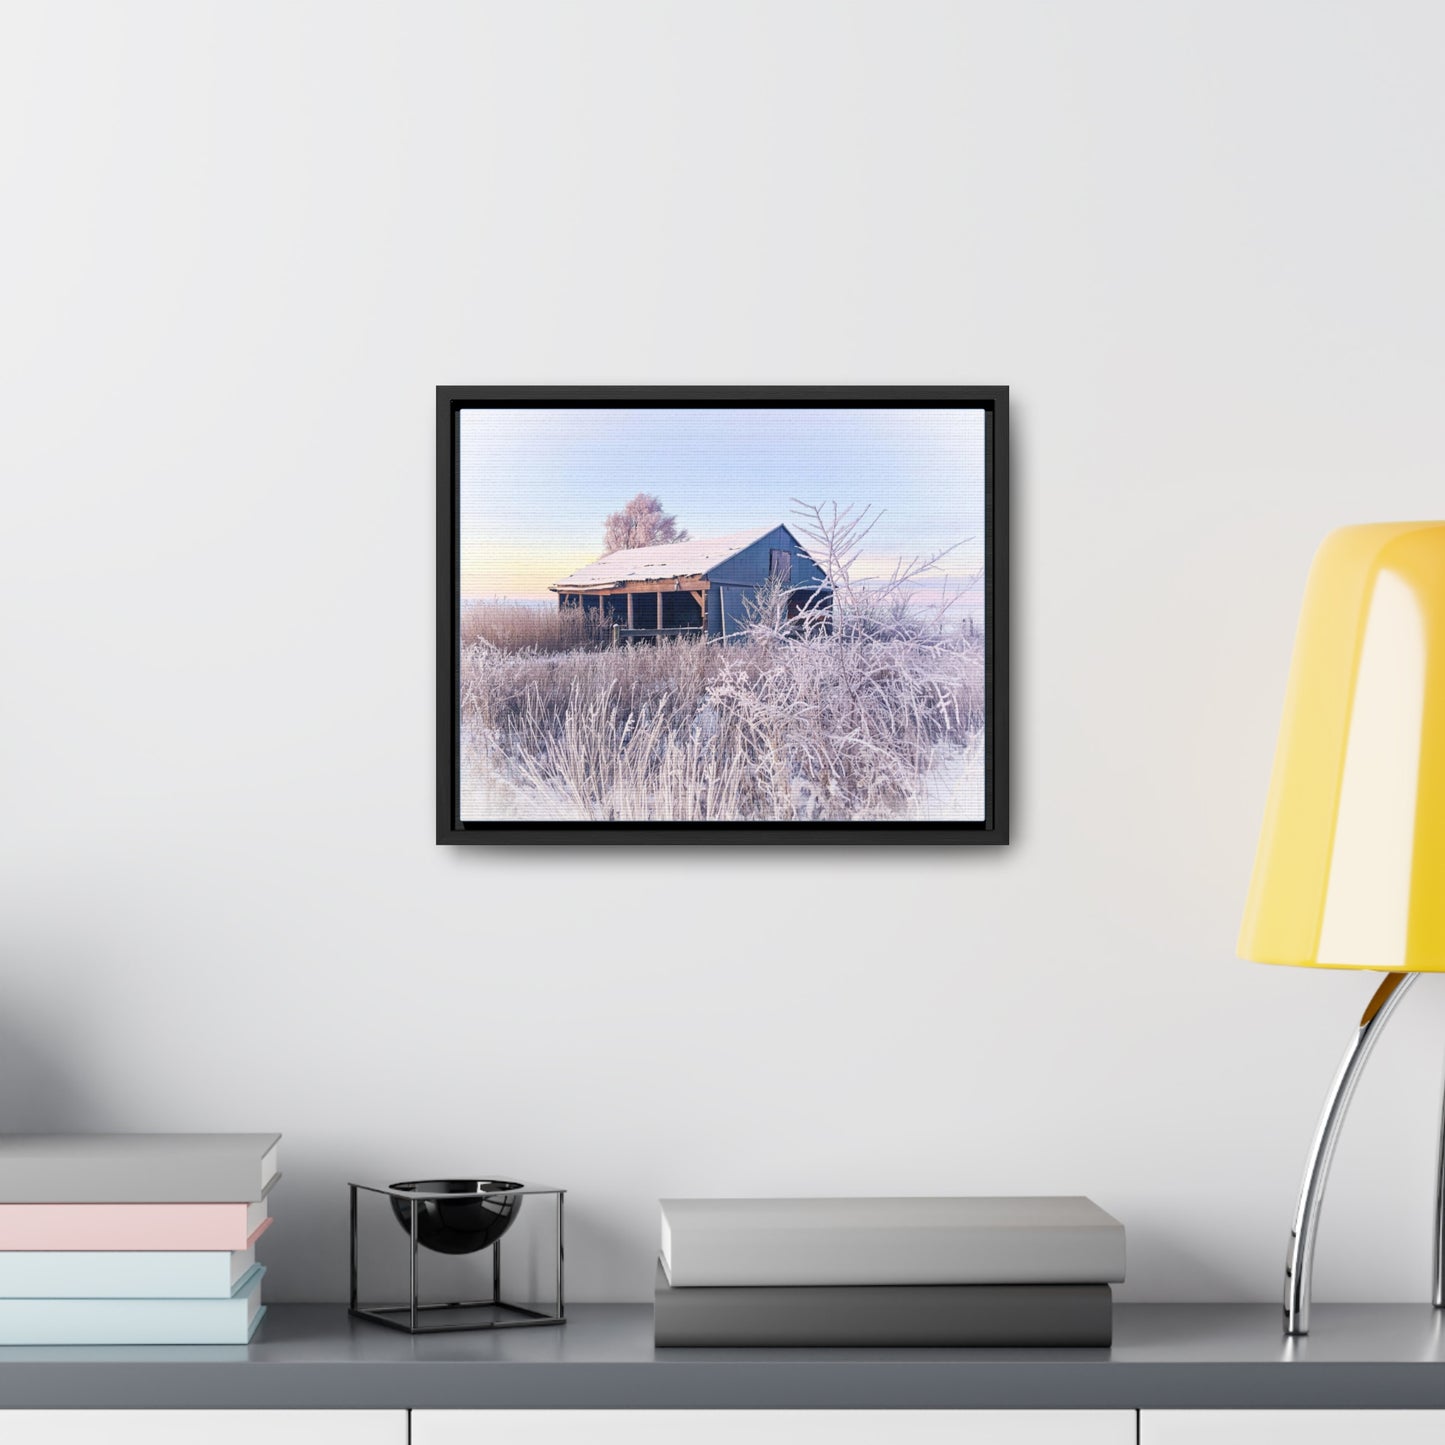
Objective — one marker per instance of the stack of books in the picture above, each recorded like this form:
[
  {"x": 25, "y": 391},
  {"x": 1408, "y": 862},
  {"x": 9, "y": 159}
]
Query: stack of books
[
  {"x": 132, "y": 1239},
  {"x": 887, "y": 1272}
]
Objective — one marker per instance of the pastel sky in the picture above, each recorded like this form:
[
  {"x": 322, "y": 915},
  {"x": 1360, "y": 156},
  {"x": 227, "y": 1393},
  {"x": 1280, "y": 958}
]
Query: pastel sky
[{"x": 538, "y": 483}]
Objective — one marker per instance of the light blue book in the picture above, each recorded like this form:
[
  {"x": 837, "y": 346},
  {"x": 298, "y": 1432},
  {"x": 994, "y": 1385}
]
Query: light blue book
[
  {"x": 229, "y": 1321},
  {"x": 123, "y": 1274}
]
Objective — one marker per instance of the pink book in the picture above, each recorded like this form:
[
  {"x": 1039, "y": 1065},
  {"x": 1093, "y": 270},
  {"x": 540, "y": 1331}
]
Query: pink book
[{"x": 132, "y": 1226}]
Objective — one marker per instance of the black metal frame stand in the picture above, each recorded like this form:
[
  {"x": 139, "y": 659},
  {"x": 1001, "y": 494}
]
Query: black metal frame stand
[{"x": 415, "y": 1318}]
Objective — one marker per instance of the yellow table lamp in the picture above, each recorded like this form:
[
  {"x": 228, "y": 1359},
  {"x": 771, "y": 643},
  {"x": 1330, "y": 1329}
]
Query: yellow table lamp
[{"x": 1350, "y": 871}]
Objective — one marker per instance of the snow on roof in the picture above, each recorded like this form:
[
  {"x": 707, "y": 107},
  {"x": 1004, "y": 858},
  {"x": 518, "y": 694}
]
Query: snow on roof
[{"x": 667, "y": 559}]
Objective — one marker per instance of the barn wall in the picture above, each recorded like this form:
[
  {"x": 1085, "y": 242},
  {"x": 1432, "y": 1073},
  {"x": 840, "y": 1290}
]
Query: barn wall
[
  {"x": 733, "y": 602},
  {"x": 740, "y": 576},
  {"x": 805, "y": 569},
  {"x": 751, "y": 564}
]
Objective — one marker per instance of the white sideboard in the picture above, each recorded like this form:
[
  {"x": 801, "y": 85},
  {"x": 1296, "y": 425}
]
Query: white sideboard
[
  {"x": 723, "y": 1427},
  {"x": 1291, "y": 1427},
  {"x": 203, "y": 1427},
  {"x": 774, "y": 1427}
]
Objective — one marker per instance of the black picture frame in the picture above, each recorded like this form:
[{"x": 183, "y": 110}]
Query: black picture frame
[{"x": 991, "y": 830}]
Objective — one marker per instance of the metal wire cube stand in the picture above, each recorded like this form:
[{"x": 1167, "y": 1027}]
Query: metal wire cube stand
[{"x": 415, "y": 1318}]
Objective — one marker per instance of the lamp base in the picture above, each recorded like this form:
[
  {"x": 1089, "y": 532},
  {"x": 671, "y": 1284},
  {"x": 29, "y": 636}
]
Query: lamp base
[{"x": 1299, "y": 1262}]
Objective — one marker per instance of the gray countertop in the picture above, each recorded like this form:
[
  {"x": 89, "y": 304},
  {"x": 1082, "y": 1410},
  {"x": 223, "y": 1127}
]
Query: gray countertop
[{"x": 1164, "y": 1356}]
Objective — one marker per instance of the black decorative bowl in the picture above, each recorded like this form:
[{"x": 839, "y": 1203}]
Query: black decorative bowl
[{"x": 464, "y": 1223}]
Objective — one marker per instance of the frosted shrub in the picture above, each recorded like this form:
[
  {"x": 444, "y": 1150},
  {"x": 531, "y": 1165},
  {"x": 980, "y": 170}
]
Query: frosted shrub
[{"x": 684, "y": 730}]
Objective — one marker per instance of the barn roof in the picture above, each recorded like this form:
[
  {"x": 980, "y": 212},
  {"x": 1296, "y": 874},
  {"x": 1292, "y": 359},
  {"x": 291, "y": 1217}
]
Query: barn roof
[{"x": 655, "y": 564}]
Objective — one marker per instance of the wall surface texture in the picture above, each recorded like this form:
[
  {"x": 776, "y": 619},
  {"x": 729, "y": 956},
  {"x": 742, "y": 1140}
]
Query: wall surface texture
[{"x": 1202, "y": 243}]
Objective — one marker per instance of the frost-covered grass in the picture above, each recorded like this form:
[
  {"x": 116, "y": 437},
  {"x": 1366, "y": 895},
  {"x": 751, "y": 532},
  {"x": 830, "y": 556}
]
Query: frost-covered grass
[
  {"x": 866, "y": 711},
  {"x": 829, "y": 728},
  {"x": 517, "y": 627}
]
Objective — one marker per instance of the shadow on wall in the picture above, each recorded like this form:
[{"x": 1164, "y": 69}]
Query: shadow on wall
[
  {"x": 1165, "y": 1253},
  {"x": 594, "y": 1245},
  {"x": 38, "y": 1093}
]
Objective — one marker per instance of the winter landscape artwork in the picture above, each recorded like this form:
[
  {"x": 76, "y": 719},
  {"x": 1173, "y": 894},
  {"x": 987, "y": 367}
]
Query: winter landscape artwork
[{"x": 771, "y": 614}]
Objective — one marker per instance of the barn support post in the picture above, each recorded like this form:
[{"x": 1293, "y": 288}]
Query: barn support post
[
  {"x": 659, "y": 611},
  {"x": 629, "y": 611}
]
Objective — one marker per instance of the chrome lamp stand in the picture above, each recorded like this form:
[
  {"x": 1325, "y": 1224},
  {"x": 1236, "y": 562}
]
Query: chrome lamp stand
[{"x": 1299, "y": 1266}]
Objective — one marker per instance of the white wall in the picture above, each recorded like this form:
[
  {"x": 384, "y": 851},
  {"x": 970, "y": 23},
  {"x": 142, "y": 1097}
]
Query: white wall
[{"x": 240, "y": 246}]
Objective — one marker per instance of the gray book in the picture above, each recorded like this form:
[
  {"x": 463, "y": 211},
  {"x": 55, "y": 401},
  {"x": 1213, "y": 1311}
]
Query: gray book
[
  {"x": 1063, "y": 1239},
  {"x": 137, "y": 1168},
  {"x": 884, "y": 1316}
]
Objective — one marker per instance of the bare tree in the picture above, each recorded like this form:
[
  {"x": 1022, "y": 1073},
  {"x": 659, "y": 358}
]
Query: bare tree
[
  {"x": 835, "y": 537},
  {"x": 641, "y": 523}
]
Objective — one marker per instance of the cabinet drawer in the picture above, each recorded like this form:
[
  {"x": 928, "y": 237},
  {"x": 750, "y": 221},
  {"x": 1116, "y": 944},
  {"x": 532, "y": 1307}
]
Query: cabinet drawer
[
  {"x": 202, "y": 1427},
  {"x": 1292, "y": 1427},
  {"x": 773, "y": 1427}
]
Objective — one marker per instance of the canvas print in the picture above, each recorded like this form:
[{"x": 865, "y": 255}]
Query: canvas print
[{"x": 721, "y": 614}]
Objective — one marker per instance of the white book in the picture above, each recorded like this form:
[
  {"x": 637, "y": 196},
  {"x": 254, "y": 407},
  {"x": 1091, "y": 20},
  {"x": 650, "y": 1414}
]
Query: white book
[
  {"x": 1006, "y": 1240},
  {"x": 122, "y": 1274}
]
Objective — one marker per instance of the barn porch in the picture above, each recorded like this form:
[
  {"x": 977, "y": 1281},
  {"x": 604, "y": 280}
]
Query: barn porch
[{"x": 646, "y": 610}]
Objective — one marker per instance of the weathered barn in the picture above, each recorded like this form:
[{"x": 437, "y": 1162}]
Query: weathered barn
[{"x": 693, "y": 586}]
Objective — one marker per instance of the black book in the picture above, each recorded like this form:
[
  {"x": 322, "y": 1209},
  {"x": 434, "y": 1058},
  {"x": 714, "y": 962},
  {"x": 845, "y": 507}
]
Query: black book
[{"x": 884, "y": 1315}]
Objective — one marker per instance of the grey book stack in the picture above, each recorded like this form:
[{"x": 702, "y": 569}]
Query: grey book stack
[{"x": 929, "y": 1272}]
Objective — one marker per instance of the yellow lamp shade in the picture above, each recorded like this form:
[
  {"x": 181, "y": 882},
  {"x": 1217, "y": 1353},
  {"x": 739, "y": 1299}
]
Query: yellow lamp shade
[{"x": 1350, "y": 871}]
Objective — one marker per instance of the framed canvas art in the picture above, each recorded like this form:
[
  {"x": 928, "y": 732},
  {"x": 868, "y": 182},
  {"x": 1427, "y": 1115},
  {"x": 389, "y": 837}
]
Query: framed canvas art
[{"x": 722, "y": 614}]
